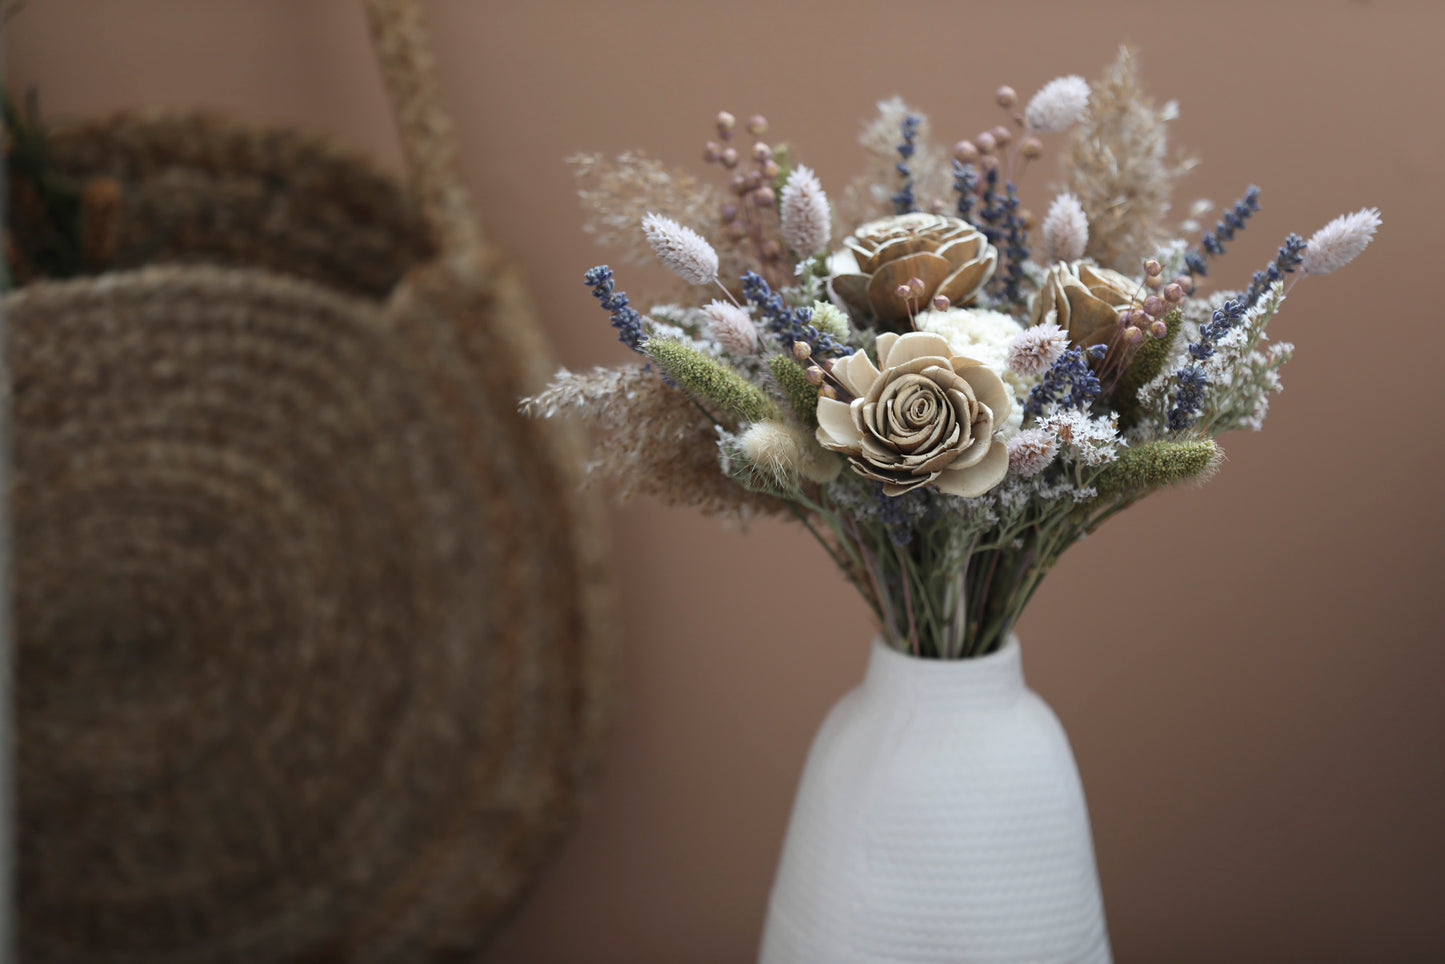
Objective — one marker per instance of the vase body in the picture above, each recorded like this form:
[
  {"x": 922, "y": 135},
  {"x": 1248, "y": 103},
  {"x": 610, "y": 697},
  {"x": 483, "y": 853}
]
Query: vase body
[{"x": 940, "y": 817}]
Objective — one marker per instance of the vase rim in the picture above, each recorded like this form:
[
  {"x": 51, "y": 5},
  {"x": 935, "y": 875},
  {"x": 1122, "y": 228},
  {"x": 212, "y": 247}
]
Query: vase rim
[
  {"x": 975, "y": 682},
  {"x": 1009, "y": 650}
]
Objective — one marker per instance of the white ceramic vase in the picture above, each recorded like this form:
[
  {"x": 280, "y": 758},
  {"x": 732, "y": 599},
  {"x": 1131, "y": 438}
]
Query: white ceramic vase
[{"x": 940, "y": 817}]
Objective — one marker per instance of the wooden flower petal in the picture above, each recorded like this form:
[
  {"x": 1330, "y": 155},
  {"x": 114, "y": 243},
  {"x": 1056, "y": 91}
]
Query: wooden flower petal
[
  {"x": 883, "y": 287},
  {"x": 884, "y": 344},
  {"x": 960, "y": 286},
  {"x": 836, "y": 430},
  {"x": 989, "y": 389},
  {"x": 852, "y": 290},
  {"x": 914, "y": 344},
  {"x": 976, "y": 479},
  {"x": 856, "y": 372}
]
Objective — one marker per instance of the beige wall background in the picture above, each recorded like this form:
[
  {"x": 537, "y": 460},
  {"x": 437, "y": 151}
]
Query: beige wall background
[{"x": 1250, "y": 673}]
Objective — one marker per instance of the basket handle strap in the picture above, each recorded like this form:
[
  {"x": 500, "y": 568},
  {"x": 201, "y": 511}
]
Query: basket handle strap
[{"x": 428, "y": 139}]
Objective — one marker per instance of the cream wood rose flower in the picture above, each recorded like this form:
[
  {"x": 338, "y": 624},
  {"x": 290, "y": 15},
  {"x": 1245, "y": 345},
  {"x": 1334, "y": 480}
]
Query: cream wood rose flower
[{"x": 926, "y": 418}]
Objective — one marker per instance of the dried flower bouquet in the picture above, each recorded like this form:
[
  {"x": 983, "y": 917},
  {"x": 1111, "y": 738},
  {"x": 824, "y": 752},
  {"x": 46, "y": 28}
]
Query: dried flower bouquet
[{"x": 947, "y": 398}]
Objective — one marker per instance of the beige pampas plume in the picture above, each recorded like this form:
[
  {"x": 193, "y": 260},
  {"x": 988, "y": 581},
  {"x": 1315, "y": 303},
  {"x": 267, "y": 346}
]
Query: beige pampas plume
[
  {"x": 1066, "y": 229},
  {"x": 651, "y": 440},
  {"x": 804, "y": 213},
  {"x": 1340, "y": 242},
  {"x": 1118, "y": 170}
]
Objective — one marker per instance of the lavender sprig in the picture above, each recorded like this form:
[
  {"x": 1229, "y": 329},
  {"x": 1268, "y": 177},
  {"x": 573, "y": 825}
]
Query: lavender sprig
[
  {"x": 1212, "y": 242},
  {"x": 1015, "y": 237},
  {"x": 624, "y": 317},
  {"x": 1286, "y": 260},
  {"x": 1069, "y": 382},
  {"x": 991, "y": 212},
  {"x": 903, "y": 201},
  {"x": 1224, "y": 320},
  {"x": 789, "y": 325},
  {"x": 965, "y": 182},
  {"x": 1190, "y": 378},
  {"x": 1188, "y": 397}
]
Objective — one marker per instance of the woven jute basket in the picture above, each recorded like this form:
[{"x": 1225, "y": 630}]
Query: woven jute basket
[{"x": 312, "y": 628}]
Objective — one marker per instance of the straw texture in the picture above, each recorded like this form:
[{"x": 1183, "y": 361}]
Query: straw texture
[{"x": 313, "y": 635}]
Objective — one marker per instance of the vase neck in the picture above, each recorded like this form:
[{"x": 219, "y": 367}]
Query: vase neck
[{"x": 993, "y": 680}]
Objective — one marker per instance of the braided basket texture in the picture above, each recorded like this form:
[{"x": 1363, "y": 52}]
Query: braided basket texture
[{"x": 312, "y": 635}]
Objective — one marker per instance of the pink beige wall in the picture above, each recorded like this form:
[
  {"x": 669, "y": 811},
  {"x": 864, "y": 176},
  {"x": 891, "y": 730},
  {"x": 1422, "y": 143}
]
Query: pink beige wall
[{"x": 1250, "y": 673}]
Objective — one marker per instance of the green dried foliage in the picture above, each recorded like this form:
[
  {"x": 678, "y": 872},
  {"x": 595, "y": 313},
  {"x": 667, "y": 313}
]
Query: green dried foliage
[
  {"x": 802, "y": 397},
  {"x": 1147, "y": 362},
  {"x": 1152, "y": 465},
  {"x": 710, "y": 381}
]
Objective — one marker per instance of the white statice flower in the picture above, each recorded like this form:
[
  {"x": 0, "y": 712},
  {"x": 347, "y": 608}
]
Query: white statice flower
[
  {"x": 1093, "y": 441},
  {"x": 985, "y": 337}
]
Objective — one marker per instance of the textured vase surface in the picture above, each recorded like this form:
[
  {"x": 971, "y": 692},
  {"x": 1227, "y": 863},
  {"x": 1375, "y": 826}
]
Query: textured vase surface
[{"x": 940, "y": 818}]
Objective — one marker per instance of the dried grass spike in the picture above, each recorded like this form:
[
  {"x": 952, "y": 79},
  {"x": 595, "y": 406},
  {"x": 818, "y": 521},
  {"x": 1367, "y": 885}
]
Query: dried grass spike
[{"x": 1118, "y": 169}]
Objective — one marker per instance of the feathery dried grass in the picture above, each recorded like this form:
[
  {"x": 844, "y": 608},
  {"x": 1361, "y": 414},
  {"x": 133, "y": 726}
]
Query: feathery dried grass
[
  {"x": 868, "y": 196},
  {"x": 616, "y": 194},
  {"x": 650, "y": 440},
  {"x": 1118, "y": 168}
]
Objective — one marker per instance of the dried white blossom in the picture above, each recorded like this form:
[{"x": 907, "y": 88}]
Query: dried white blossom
[
  {"x": 681, "y": 250},
  {"x": 807, "y": 223},
  {"x": 731, "y": 328},
  {"x": 1031, "y": 451},
  {"x": 1092, "y": 441},
  {"x": 1059, "y": 105},
  {"x": 1339, "y": 242},
  {"x": 1066, "y": 229},
  {"x": 1033, "y": 351}
]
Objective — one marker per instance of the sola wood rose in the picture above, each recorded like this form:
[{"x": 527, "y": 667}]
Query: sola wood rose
[
  {"x": 874, "y": 392},
  {"x": 1084, "y": 300},
  {"x": 950, "y": 256},
  {"x": 927, "y": 417}
]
